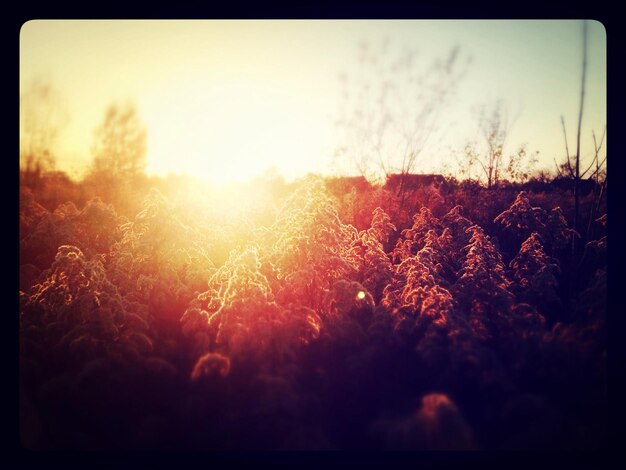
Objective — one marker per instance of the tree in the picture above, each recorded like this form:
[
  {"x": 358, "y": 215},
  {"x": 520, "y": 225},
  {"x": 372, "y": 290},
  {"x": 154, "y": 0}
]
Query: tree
[
  {"x": 580, "y": 120},
  {"x": 391, "y": 109},
  {"x": 490, "y": 154},
  {"x": 571, "y": 167},
  {"x": 42, "y": 117},
  {"x": 120, "y": 143}
]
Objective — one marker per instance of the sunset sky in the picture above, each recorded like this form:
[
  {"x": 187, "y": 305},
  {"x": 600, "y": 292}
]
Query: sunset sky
[{"x": 225, "y": 100}]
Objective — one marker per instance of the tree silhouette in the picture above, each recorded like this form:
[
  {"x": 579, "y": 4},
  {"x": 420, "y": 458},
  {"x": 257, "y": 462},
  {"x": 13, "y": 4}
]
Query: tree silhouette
[
  {"x": 120, "y": 143},
  {"x": 571, "y": 168},
  {"x": 391, "y": 110},
  {"x": 42, "y": 116},
  {"x": 490, "y": 155}
]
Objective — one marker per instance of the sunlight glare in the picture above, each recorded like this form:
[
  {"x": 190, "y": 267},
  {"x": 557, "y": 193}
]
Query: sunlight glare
[{"x": 232, "y": 131}]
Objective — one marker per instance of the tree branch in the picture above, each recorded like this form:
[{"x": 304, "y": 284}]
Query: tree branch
[{"x": 569, "y": 163}]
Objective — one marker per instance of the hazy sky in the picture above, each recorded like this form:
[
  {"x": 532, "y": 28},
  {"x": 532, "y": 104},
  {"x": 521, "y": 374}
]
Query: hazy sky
[{"x": 227, "y": 99}]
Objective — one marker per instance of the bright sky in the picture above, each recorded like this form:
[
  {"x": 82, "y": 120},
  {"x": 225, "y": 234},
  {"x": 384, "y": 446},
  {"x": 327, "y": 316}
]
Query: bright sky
[{"x": 226, "y": 100}]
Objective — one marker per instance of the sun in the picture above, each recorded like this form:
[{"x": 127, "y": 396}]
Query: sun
[{"x": 232, "y": 132}]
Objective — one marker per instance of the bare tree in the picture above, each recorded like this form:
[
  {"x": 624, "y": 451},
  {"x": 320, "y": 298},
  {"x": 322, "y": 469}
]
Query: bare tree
[
  {"x": 599, "y": 175},
  {"x": 120, "y": 143},
  {"x": 490, "y": 155},
  {"x": 392, "y": 106},
  {"x": 42, "y": 117},
  {"x": 580, "y": 120},
  {"x": 571, "y": 168}
]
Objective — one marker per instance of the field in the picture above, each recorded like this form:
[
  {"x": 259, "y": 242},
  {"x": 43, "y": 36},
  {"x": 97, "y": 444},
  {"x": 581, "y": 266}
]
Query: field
[{"x": 326, "y": 313}]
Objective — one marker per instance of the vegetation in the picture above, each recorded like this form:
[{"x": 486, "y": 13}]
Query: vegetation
[
  {"x": 493, "y": 160},
  {"x": 419, "y": 313},
  {"x": 465, "y": 322},
  {"x": 42, "y": 117}
]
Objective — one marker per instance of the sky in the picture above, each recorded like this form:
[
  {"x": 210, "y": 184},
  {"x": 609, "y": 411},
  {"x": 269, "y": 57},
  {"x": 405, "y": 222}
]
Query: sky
[{"x": 226, "y": 100}]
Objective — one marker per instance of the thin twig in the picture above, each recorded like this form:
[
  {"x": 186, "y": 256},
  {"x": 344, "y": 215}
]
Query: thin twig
[
  {"x": 558, "y": 169},
  {"x": 569, "y": 163}
]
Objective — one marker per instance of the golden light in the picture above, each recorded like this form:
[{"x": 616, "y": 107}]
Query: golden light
[
  {"x": 224, "y": 100},
  {"x": 226, "y": 203},
  {"x": 232, "y": 132},
  {"x": 360, "y": 295}
]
